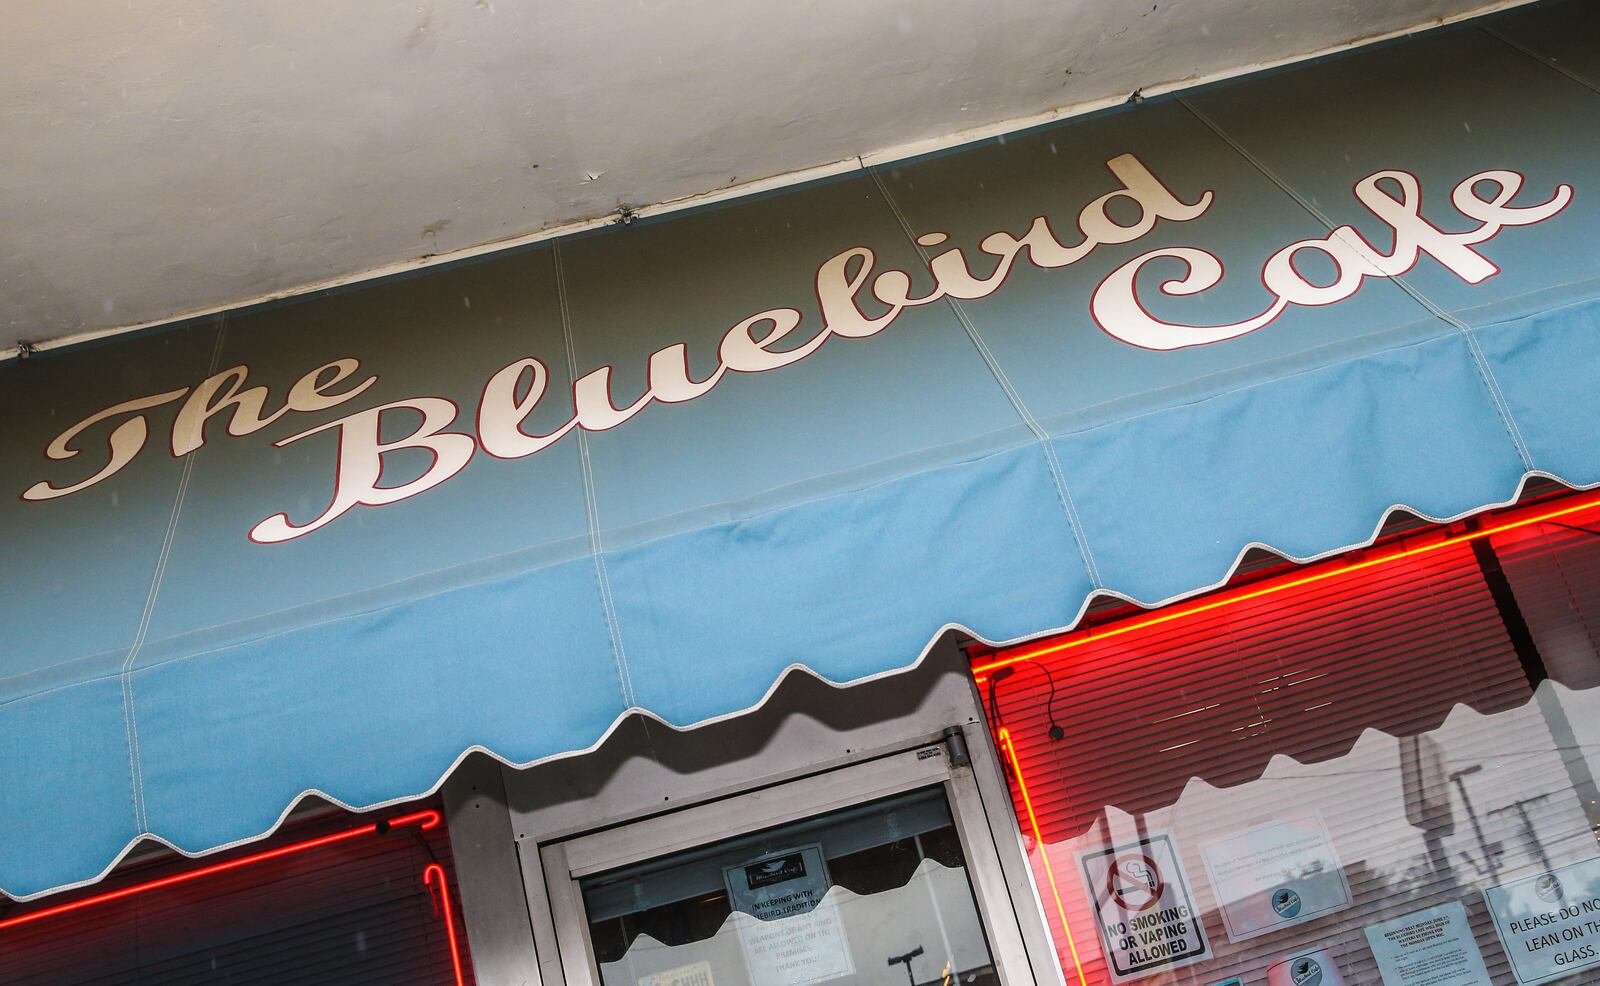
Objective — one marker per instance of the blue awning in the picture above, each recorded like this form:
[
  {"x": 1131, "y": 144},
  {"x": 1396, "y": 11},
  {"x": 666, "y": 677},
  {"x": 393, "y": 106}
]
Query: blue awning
[{"x": 500, "y": 504}]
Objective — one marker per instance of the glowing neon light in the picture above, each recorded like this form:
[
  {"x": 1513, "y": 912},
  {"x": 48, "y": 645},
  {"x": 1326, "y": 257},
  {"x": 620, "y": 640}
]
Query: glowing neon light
[
  {"x": 1038, "y": 840},
  {"x": 424, "y": 820},
  {"x": 428, "y": 873},
  {"x": 1245, "y": 595}
]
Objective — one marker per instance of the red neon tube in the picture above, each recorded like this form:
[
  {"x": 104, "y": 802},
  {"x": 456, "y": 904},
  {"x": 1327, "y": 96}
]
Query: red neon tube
[
  {"x": 429, "y": 873},
  {"x": 422, "y": 819},
  {"x": 1044, "y": 855},
  {"x": 1319, "y": 574}
]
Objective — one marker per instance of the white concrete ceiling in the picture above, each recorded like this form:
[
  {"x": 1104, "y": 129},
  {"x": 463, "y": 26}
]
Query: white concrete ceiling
[{"x": 165, "y": 157}]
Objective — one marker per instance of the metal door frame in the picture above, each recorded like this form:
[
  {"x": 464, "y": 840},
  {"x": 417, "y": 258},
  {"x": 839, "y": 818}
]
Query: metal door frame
[
  {"x": 501, "y": 816},
  {"x": 563, "y": 863}
]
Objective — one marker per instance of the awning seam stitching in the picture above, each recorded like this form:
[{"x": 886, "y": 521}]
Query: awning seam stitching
[
  {"x": 1042, "y": 437},
  {"x": 1548, "y": 63},
  {"x": 591, "y": 503}
]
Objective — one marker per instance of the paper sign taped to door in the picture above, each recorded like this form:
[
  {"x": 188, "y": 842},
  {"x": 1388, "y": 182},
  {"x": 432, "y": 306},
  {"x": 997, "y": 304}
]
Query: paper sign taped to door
[
  {"x": 1281, "y": 873},
  {"x": 1433, "y": 947},
  {"x": 694, "y": 974},
  {"x": 797, "y": 936}
]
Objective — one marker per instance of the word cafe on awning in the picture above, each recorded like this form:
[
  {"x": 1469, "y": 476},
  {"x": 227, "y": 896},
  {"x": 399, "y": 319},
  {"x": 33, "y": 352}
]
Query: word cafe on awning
[{"x": 1154, "y": 546}]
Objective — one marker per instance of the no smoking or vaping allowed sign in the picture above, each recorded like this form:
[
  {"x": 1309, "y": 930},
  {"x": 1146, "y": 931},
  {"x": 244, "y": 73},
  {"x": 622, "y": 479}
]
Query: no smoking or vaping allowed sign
[{"x": 1144, "y": 909}]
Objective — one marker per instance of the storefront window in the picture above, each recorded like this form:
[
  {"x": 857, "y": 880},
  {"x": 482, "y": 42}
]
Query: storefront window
[
  {"x": 1377, "y": 769},
  {"x": 332, "y": 900},
  {"x": 878, "y": 893}
]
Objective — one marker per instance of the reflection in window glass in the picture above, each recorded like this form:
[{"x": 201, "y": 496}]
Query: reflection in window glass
[{"x": 874, "y": 894}]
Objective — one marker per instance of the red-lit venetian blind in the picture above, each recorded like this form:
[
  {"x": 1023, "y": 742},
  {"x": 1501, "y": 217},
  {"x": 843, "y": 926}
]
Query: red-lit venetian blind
[
  {"x": 352, "y": 912},
  {"x": 1554, "y": 569},
  {"x": 1299, "y": 673},
  {"x": 1205, "y": 695}
]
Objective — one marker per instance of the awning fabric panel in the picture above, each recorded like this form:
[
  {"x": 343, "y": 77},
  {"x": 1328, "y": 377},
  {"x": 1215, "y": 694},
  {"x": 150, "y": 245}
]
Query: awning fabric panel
[
  {"x": 1427, "y": 438},
  {"x": 1549, "y": 384},
  {"x": 987, "y": 460},
  {"x": 891, "y": 556}
]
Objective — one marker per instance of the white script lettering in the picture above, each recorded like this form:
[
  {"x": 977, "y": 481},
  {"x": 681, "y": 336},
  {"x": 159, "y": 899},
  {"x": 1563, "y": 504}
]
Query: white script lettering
[
  {"x": 1118, "y": 310},
  {"x": 127, "y": 440},
  {"x": 359, "y": 463},
  {"x": 857, "y": 297}
]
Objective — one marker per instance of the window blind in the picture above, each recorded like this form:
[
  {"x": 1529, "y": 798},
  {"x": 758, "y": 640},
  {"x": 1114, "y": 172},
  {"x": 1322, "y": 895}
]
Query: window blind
[{"x": 355, "y": 911}]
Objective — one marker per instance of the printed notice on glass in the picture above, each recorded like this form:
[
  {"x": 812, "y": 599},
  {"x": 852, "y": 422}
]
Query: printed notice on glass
[
  {"x": 1275, "y": 875},
  {"x": 1313, "y": 968},
  {"x": 1144, "y": 909},
  {"x": 1549, "y": 924},
  {"x": 1434, "y": 947},
  {"x": 695, "y": 974},
  {"x": 796, "y": 937}
]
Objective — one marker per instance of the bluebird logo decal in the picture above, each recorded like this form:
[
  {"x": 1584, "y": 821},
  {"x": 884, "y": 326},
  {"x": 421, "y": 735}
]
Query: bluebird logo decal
[
  {"x": 1285, "y": 902},
  {"x": 1306, "y": 971},
  {"x": 770, "y": 871}
]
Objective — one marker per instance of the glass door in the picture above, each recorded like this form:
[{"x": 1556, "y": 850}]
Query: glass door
[{"x": 867, "y": 875}]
